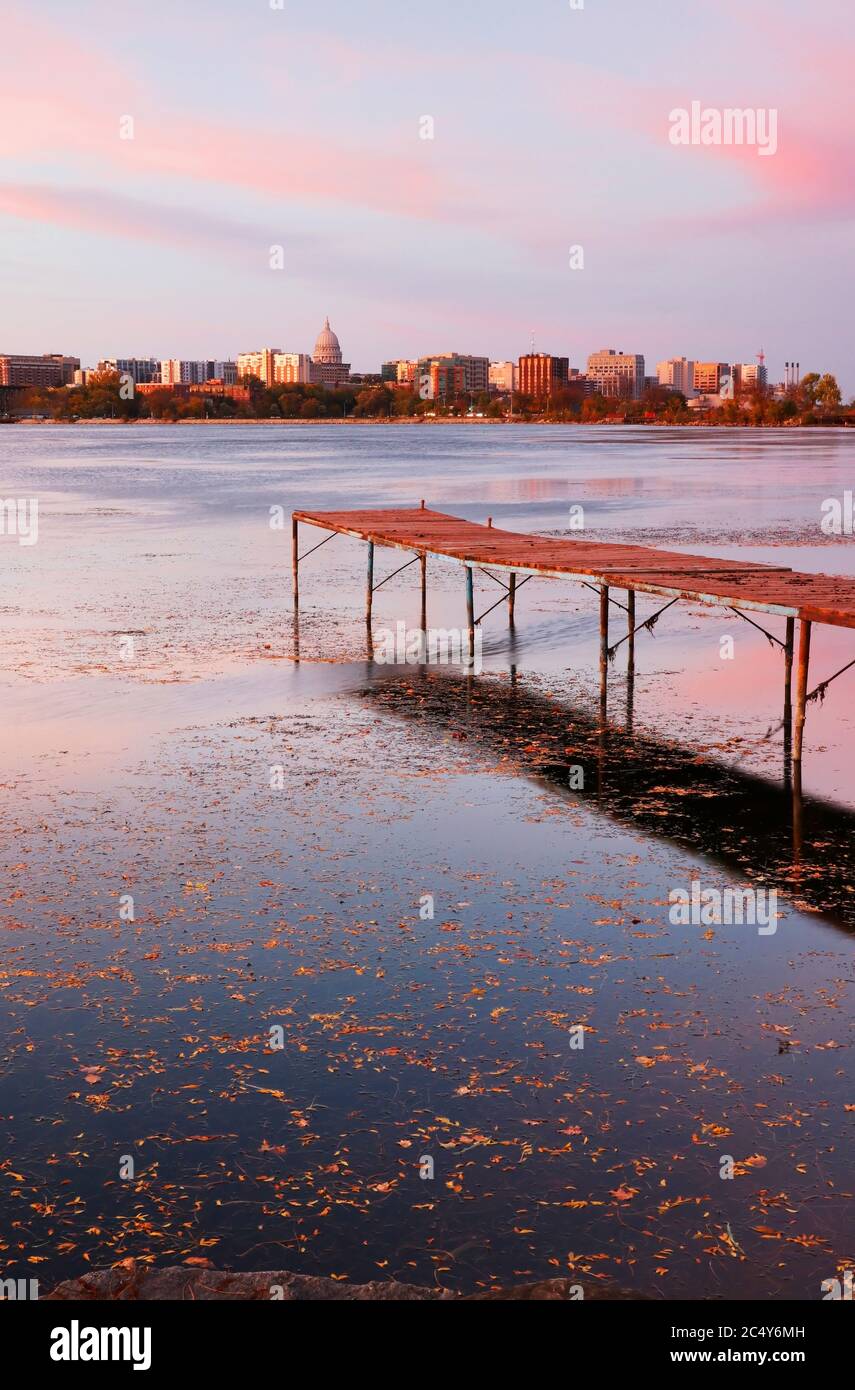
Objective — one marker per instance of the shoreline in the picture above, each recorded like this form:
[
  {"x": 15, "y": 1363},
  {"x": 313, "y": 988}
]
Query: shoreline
[{"x": 414, "y": 421}]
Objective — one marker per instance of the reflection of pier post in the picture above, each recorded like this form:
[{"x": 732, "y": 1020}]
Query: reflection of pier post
[
  {"x": 798, "y": 810},
  {"x": 295, "y": 635},
  {"x": 604, "y": 652}
]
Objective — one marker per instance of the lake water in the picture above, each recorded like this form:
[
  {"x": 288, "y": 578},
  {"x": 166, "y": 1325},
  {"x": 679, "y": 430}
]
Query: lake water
[{"x": 204, "y": 838}]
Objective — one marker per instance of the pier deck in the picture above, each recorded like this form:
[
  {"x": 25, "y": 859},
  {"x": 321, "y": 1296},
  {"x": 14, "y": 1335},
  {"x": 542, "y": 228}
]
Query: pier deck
[{"x": 736, "y": 584}]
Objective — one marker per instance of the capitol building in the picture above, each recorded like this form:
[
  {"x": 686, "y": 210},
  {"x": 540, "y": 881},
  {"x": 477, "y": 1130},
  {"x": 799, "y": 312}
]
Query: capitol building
[
  {"x": 273, "y": 367},
  {"x": 328, "y": 369}
]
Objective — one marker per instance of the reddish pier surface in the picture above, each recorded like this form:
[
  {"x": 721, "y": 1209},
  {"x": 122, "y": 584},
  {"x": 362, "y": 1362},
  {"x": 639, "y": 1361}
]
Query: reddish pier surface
[{"x": 820, "y": 598}]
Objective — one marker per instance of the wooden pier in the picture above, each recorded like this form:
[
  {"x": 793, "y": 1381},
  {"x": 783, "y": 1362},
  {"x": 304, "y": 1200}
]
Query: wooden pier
[{"x": 741, "y": 586}]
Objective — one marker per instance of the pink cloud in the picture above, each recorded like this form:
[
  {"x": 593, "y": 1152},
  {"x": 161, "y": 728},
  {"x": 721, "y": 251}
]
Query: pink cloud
[{"x": 62, "y": 100}]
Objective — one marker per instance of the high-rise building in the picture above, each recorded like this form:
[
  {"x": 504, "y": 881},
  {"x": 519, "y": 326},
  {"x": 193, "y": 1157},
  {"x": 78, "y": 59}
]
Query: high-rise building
[
  {"x": 176, "y": 371},
  {"x": 51, "y": 369},
  {"x": 708, "y": 377},
  {"x": 140, "y": 369},
  {"x": 451, "y": 374},
  {"x": 616, "y": 373},
  {"x": 503, "y": 377},
  {"x": 291, "y": 368},
  {"x": 258, "y": 364},
  {"x": 401, "y": 371},
  {"x": 747, "y": 375},
  {"x": 541, "y": 375},
  {"x": 678, "y": 374}
]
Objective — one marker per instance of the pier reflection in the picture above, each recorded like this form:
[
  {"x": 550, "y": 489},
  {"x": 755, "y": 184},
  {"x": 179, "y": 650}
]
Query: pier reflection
[{"x": 757, "y": 829}]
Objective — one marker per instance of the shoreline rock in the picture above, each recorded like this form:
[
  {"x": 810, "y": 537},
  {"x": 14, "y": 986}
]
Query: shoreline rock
[{"x": 177, "y": 1283}]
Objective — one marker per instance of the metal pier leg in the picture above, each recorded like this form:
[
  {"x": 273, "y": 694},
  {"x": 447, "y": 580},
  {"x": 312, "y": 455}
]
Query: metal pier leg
[
  {"x": 630, "y": 627},
  {"x": 512, "y": 598},
  {"x": 788, "y": 693},
  {"x": 470, "y": 611},
  {"x": 801, "y": 688},
  {"x": 295, "y": 559},
  {"x": 369, "y": 596},
  {"x": 604, "y": 651},
  {"x": 630, "y": 661},
  {"x": 423, "y": 568},
  {"x": 788, "y": 648}
]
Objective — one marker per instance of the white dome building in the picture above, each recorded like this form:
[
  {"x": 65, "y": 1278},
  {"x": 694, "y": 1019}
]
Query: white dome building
[
  {"x": 328, "y": 347},
  {"x": 328, "y": 369}
]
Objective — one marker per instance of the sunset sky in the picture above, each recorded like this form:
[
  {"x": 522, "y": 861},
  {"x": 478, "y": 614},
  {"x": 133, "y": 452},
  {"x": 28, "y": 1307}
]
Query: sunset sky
[{"x": 299, "y": 126}]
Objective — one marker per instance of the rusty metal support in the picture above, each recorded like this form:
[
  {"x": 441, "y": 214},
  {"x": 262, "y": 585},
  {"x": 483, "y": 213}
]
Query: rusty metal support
[
  {"x": 295, "y": 559},
  {"x": 595, "y": 589},
  {"x": 512, "y": 598},
  {"x": 649, "y": 623},
  {"x": 423, "y": 568},
  {"x": 801, "y": 688},
  {"x": 495, "y": 605},
  {"x": 470, "y": 611},
  {"x": 819, "y": 692},
  {"x": 369, "y": 596},
  {"x": 630, "y": 629},
  {"x": 770, "y": 636},
  {"x": 399, "y": 570},
  {"x": 604, "y": 651},
  {"x": 501, "y": 583}
]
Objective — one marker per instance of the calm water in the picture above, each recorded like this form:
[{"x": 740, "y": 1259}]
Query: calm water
[{"x": 277, "y": 823}]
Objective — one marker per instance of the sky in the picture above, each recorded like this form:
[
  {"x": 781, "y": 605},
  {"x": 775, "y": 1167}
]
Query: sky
[{"x": 258, "y": 124}]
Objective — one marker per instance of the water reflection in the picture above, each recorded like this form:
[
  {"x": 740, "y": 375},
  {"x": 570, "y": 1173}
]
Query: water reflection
[{"x": 756, "y": 829}]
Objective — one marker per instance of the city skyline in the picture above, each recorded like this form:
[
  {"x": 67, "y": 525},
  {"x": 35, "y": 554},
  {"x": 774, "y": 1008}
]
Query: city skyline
[{"x": 172, "y": 234}]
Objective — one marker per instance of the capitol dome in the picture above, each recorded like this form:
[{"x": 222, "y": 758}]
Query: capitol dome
[{"x": 328, "y": 347}]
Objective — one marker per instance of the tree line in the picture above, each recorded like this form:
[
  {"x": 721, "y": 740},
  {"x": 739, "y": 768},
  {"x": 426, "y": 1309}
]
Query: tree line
[{"x": 816, "y": 399}]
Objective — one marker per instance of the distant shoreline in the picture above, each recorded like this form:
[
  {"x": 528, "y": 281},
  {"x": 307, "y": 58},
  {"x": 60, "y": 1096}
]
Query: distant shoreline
[{"x": 413, "y": 420}]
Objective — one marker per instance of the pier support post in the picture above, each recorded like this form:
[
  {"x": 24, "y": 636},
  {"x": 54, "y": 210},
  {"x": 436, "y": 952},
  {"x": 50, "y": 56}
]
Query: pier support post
[
  {"x": 630, "y": 629},
  {"x": 789, "y": 645},
  {"x": 423, "y": 569},
  {"x": 801, "y": 688},
  {"x": 295, "y": 559},
  {"x": 604, "y": 651},
  {"x": 512, "y": 599},
  {"x": 630, "y": 659},
  {"x": 470, "y": 611},
  {"x": 369, "y": 595}
]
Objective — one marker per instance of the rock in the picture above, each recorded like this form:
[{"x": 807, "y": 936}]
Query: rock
[{"x": 140, "y": 1283}]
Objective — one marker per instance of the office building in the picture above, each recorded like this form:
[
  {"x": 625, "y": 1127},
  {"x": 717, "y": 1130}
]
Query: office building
[
  {"x": 51, "y": 369},
  {"x": 540, "y": 375},
  {"x": 613, "y": 373}
]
